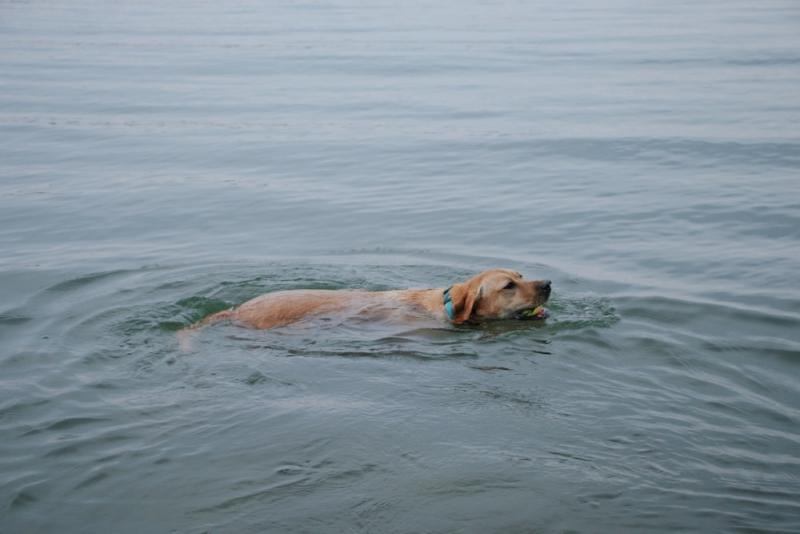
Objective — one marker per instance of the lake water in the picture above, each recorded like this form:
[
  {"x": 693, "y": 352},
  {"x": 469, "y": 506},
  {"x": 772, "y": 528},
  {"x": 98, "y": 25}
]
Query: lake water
[{"x": 162, "y": 160}]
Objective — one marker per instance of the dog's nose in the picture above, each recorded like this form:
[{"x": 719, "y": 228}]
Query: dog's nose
[{"x": 544, "y": 286}]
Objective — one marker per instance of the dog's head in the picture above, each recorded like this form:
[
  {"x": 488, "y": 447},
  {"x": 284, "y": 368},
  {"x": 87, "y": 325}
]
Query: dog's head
[{"x": 497, "y": 294}]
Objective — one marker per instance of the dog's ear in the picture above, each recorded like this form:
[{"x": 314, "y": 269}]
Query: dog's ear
[{"x": 465, "y": 297}]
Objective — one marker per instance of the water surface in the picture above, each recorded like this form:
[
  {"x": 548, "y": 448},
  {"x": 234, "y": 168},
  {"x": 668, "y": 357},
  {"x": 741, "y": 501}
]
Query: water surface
[{"x": 162, "y": 161}]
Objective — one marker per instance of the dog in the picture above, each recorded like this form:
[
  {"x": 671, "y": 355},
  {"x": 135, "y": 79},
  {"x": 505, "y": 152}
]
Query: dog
[{"x": 492, "y": 294}]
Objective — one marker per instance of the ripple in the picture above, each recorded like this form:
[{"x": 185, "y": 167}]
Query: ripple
[
  {"x": 570, "y": 313},
  {"x": 22, "y": 499},
  {"x": 92, "y": 480},
  {"x": 713, "y": 323},
  {"x": 13, "y": 319},
  {"x": 666, "y": 151},
  {"x": 614, "y": 390},
  {"x": 66, "y": 424},
  {"x": 291, "y": 479},
  {"x": 81, "y": 282}
]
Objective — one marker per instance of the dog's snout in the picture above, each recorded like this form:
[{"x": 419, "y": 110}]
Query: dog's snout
[{"x": 544, "y": 286}]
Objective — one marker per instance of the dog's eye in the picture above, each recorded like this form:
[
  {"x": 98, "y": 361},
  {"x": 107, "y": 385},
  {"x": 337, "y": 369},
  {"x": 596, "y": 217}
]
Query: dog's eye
[{"x": 510, "y": 285}]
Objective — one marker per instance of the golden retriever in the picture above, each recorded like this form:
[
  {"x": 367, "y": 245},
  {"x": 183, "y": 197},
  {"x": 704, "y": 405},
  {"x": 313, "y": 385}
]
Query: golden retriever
[{"x": 492, "y": 294}]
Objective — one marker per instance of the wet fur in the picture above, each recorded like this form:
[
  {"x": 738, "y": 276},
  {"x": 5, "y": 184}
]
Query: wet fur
[{"x": 493, "y": 294}]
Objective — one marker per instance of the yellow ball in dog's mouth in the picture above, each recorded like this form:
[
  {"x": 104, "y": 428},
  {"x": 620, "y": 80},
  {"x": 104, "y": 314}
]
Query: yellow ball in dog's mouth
[{"x": 539, "y": 312}]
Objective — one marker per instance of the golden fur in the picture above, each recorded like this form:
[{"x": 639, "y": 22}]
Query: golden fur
[{"x": 492, "y": 294}]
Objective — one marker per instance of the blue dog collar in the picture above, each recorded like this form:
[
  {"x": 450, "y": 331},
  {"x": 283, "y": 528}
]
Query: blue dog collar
[{"x": 448, "y": 304}]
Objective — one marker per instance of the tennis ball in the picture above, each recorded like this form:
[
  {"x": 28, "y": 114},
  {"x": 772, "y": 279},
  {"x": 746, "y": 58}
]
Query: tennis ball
[{"x": 539, "y": 312}]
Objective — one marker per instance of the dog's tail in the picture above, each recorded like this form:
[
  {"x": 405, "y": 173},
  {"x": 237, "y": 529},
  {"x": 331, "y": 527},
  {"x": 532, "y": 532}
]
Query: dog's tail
[{"x": 185, "y": 334}]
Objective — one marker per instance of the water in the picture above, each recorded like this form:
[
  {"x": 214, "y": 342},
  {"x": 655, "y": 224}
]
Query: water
[{"x": 160, "y": 161}]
